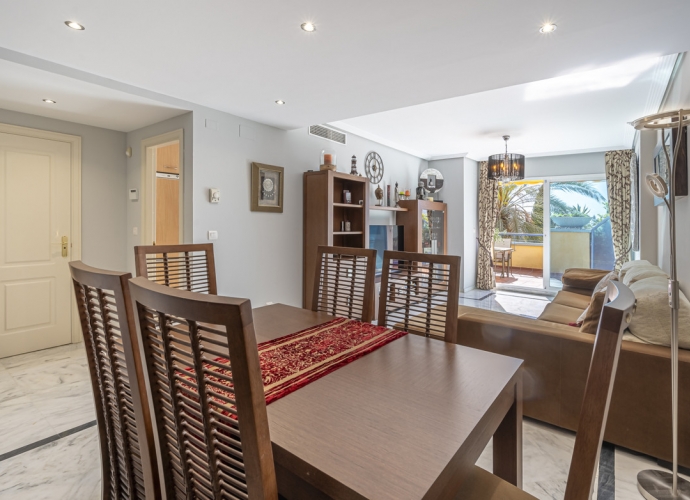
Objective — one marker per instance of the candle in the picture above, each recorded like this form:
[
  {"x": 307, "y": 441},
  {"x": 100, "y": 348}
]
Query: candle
[
  {"x": 407, "y": 192},
  {"x": 327, "y": 159}
]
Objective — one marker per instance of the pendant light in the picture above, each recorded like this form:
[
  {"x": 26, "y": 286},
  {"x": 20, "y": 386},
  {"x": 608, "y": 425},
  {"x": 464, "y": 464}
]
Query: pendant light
[{"x": 506, "y": 166}]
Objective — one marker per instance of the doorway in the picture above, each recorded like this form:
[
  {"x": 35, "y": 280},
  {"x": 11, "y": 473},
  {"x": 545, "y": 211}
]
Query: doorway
[
  {"x": 551, "y": 225},
  {"x": 40, "y": 227},
  {"x": 162, "y": 170}
]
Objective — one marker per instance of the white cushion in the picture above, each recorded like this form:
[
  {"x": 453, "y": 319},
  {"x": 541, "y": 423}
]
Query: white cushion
[
  {"x": 652, "y": 319},
  {"x": 638, "y": 273},
  {"x": 630, "y": 264}
]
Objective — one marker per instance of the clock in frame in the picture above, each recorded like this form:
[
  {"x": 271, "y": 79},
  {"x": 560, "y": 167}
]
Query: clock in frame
[{"x": 267, "y": 188}]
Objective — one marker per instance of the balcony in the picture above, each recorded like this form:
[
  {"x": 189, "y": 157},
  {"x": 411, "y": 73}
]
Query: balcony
[{"x": 589, "y": 248}]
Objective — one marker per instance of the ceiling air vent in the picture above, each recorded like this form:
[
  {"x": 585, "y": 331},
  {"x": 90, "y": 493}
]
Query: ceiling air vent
[{"x": 328, "y": 133}]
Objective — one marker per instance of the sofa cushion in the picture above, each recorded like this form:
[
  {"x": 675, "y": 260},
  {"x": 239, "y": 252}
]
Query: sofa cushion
[
  {"x": 629, "y": 265},
  {"x": 572, "y": 299},
  {"x": 638, "y": 273},
  {"x": 652, "y": 319},
  {"x": 559, "y": 313},
  {"x": 590, "y": 322},
  {"x": 601, "y": 286},
  {"x": 582, "y": 278}
]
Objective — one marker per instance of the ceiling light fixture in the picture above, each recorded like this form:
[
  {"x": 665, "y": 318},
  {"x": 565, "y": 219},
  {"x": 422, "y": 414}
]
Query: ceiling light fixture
[
  {"x": 49, "y": 101},
  {"x": 308, "y": 27},
  {"x": 506, "y": 167},
  {"x": 280, "y": 102},
  {"x": 75, "y": 25},
  {"x": 548, "y": 28}
]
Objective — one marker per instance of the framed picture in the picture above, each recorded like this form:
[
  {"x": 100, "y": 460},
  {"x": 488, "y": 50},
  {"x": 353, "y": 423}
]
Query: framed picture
[
  {"x": 661, "y": 166},
  {"x": 431, "y": 181},
  {"x": 267, "y": 188}
]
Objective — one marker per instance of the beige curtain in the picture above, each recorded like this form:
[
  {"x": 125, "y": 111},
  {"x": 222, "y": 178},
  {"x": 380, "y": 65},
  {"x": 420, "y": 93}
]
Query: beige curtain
[
  {"x": 488, "y": 201},
  {"x": 619, "y": 169}
]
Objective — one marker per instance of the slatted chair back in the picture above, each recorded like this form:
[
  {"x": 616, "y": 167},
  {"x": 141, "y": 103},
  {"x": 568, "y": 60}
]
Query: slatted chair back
[
  {"x": 615, "y": 318},
  {"x": 420, "y": 293},
  {"x": 188, "y": 267},
  {"x": 128, "y": 456},
  {"x": 344, "y": 282},
  {"x": 211, "y": 427}
]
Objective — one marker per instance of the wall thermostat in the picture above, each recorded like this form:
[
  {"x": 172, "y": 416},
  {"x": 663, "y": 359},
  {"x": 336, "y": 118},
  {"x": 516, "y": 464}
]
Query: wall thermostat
[
  {"x": 214, "y": 195},
  {"x": 134, "y": 195}
]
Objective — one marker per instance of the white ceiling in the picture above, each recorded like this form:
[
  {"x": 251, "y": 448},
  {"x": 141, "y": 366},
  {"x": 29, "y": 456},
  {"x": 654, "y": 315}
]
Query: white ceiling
[
  {"x": 23, "y": 88},
  {"x": 575, "y": 113},
  {"x": 365, "y": 57}
]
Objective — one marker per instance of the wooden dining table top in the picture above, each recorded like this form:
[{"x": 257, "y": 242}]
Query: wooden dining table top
[{"x": 408, "y": 420}]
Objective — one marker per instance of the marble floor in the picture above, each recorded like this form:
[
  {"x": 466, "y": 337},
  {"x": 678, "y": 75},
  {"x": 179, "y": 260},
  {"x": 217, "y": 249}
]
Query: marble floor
[
  {"x": 46, "y": 396},
  {"x": 521, "y": 304}
]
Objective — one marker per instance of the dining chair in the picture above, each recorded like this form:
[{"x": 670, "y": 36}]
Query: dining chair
[
  {"x": 207, "y": 394},
  {"x": 344, "y": 282},
  {"x": 128, "y": 457},
  {"x": 615, "y": 318},
  {"x": 420, "y": 294},
  {"x": 502, "y": 257},
  {"x": 189, "y": 267}
]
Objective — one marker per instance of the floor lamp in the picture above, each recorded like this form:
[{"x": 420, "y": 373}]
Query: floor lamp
[{"x": 656, "y": 484}]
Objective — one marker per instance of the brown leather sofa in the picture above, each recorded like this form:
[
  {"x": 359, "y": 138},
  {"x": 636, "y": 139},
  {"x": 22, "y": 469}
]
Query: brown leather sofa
[{"x": 557, "y": 358}]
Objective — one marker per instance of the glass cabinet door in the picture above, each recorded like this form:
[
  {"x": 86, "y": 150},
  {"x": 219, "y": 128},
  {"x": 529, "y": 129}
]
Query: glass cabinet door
[{"x": 432, "y": 231}]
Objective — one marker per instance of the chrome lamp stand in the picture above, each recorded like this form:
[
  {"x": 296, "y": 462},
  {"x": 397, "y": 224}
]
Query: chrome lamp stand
[{"x": 657, "y": 484}]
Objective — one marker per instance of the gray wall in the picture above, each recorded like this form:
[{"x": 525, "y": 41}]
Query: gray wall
[
  {"x": 678, "y": 97},
  {"x": 103, "y": 192},
  {"x": 460, "y": 192},
  {"x": 259, "y": 255},
  {"x": 576, "y": 164},
  {"x": 134, "y": 214}
]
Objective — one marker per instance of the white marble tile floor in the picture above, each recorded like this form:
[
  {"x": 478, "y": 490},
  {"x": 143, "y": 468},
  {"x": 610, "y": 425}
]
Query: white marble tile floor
[{"x": 69, "y": 467}]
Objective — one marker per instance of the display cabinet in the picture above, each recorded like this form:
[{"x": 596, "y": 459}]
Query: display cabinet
[{"x": 426, "y": 226}]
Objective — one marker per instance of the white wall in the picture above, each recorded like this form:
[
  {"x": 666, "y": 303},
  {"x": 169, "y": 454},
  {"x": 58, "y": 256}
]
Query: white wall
[
  {"x": 460, "y": 193},
  {"x": 678, "y": 97},
  {"x": 103, "y": 178},
  {"x": 259, "y": 255},
  {"x": 134, "y": 210},
  {"x": 471, "y": 223},
  {"x": 576, "y": 164}
]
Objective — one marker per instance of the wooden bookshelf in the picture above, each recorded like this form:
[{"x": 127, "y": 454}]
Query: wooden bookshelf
[{"x": 323, "y": 212}]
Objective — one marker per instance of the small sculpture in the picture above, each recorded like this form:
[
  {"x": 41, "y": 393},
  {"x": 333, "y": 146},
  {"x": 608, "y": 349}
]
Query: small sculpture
[
  {"x": 420, "y": 191},
  {"x": 353, "y": 167},
  {"x": 379, "y": 195},
  {"x": 396, "y": 196}
]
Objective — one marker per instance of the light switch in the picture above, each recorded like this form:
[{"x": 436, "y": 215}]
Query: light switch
[
  {"x": 135, "y": 231},
  {"x": 214, "y": 195},
  {"x": 213, "y": 235}
]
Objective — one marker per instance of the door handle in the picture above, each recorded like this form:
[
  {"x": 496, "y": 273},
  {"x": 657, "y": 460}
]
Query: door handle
[{"x": 64, "y": 246}]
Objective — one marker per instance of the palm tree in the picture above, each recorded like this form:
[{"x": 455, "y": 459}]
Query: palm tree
[{"x": 521, "y": 206}]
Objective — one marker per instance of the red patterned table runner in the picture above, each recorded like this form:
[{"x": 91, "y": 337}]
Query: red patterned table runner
[{"x": 293, "y": 361}]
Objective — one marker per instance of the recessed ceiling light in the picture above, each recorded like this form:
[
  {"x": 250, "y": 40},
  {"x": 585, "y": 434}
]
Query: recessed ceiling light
[
  {"x": 548, "y": 28},
  {"x": 280, "y": 102},
  {"x": 75, "y": 25},
  {"x": 309, "y": 27},
  {"x": 49, "y": 101}
]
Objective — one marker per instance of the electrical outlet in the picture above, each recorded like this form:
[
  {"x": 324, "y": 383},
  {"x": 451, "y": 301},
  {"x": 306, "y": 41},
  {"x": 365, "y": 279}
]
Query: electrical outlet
[{"x": 213, "y": 235}]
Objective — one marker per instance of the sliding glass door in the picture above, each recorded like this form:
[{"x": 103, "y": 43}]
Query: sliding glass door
[
  {"x": 546, "y": 226},
  {"x": 579, "y": 229}
]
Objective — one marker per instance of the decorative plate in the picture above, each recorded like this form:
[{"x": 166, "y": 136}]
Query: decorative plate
[{"x": 373, "y": 166}]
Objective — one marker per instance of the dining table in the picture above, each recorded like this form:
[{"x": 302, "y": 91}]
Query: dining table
[{"x": 406, "y": 421}]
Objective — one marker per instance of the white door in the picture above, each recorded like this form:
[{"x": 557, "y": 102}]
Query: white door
[{"x": 35, "y": 284}]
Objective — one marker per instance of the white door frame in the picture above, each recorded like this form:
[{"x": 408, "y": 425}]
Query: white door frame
[
  {"x": 148, "y": 183},
  {"x": 75, "y": 196}
]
